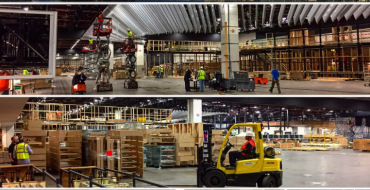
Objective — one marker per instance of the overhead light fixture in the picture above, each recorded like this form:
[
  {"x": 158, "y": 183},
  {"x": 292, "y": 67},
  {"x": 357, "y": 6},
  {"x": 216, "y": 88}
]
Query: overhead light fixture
[
  {"x": 75, "y": 43},
  {"x": 218, "y": 19},
  {"x": 308, "y": 109},
  {"x": 25, "y": 8}
]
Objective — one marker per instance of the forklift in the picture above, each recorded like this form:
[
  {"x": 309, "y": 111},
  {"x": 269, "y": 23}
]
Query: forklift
[{"x": 260, "y": 168}]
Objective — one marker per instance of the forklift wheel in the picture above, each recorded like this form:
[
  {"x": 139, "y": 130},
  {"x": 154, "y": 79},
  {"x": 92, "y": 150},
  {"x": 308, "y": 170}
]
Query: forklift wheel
[
  {"x": 269, "y": 181},
  {"x": 215, "y": 178}
]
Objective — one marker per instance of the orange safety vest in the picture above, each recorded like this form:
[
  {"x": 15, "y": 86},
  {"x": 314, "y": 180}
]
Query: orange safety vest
[
  {"x": 244, "y": 147},
  {"x": 4, "y": 83},
  {"x": 101, "y": 18}
]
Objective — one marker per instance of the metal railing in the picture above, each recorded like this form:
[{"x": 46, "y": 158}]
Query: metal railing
[
  {"x": 90, "y": 178},
  {"x": 46, "y": 174},
  {"x": 105, "y": 171},
  {"x": 268, "y": 136}
]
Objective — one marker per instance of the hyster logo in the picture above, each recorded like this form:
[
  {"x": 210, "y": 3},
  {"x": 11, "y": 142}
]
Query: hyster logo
[{"x": 270, "y": 162}]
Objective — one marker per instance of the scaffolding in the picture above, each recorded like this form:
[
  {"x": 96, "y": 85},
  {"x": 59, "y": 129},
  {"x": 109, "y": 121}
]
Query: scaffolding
[{"x": 350, "y": 130}]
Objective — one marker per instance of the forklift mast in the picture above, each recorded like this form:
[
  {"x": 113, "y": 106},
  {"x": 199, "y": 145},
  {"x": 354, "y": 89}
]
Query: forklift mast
[{"x": 204, "y": 153}]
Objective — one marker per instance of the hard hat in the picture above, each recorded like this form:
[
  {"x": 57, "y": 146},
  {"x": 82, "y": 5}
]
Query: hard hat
[
  {"x": 249, "y": 134},
  {"x": 128, "y": 29},
  {"x": 201, "y": 67}
]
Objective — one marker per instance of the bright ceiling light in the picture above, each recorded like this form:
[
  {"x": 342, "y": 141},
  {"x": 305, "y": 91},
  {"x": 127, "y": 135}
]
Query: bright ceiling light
[
  {"x": 75, "y": 43},
  {"x": 219, "y": 19}
]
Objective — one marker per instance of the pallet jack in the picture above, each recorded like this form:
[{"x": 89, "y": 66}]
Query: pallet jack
[
  {"x": 102, "y": 82},
  {"x": 261, "y": 168}
]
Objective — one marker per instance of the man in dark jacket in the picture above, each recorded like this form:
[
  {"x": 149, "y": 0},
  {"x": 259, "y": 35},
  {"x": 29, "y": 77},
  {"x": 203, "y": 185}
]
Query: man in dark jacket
[
  {"x": 187, "y": 78},
  {"x": 81, "y": 78},
  {"x": 275, "y": 80},
  {"x": 74, "y": 79}
]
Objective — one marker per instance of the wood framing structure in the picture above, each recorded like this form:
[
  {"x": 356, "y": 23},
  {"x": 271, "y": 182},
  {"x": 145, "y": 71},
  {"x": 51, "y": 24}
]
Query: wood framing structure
[
  {"x": 127, "y": 146},
  {"x": 183, "y": 46},
  {"x": 195, "y": 129},
  {"x": 37, "y": 141},
  {"x": 102, "y": 114},
  {"x": 184, "y": 149},
  {"x": 65, "y": 149}
]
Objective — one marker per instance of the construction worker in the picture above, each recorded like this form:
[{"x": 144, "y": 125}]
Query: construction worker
[
  {"x": 160, "y": 71},
  {"x": 275, "y": 79},
  {"x": 187, "y": 78},
  {"x": 4, "y": 83},
  {"x": 13, "y": 160},
  {"x": 91, "y": 42},
  {"x": 245, "y": 151},
  {"x": 22, "y": 152},
  {"x": 129, "y": 34},
  {"x": 201, "y": 78},
  {"x": 25, "y": 72},
  {"x": 101, "y": 20}
]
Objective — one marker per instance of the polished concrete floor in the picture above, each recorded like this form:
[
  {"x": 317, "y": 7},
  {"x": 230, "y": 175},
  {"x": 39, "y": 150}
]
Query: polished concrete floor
[
  {"x": 173, "y": 86},
  {"x": 321, "y": 169}
]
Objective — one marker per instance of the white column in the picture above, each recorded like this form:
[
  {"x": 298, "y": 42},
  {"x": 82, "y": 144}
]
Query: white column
[
  {"x": 140, "y": 59},
  {"x": 229, "y": 40},
  {"x": 8, "y": 132},
  {"x": 195, "y": 111},
  {"x": 111, "y": 58}
]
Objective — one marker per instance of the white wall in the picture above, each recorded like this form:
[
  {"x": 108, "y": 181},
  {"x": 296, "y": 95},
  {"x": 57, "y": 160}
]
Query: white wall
[{"x": 7, "y": 133}]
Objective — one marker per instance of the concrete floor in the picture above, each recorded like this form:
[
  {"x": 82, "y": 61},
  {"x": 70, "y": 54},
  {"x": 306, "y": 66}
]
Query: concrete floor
[
  {"x": 326, "y": 169},
  {"x": 172, "y": 86}
]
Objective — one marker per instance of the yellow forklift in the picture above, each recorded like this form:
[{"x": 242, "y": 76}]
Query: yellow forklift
[{"x": 260, "y": 169}]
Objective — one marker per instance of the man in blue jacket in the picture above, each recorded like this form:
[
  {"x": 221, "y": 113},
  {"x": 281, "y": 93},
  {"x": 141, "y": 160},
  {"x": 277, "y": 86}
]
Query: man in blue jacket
[{"x": 275, "y": 79}]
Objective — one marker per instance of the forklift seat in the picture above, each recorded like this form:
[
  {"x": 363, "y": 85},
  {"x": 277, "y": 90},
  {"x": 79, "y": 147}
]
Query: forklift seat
[{"x": 252, "y": 156}]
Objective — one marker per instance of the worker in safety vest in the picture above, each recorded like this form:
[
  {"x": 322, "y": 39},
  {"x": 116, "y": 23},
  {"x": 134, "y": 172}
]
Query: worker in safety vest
[
  {"x": 22, "y": 152},
  {"x": 91, "y": 42},
  {"x": 129, "y": 34},
  {"x": 246, "y": 151},
  {"x": 25, "y": 72},
  {"x": 201, "y": 78},
  {"x": 160, "y": 71},
  {"x": 101, "y": 20},
  {"x": 4, "y": 83}
]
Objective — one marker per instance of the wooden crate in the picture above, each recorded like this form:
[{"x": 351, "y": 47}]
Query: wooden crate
[
  {"x": 161, "y": 137},
  {"x": 361, "y": 144},
  {"x": 184, "y": 149},
  {"x": 22, "y": 173},
  {"x": 195, "y": 129},
  {"x": 37, "y": 142},
  {"x": 128, "y": 148},
  {"x": 65, "y": 149}
]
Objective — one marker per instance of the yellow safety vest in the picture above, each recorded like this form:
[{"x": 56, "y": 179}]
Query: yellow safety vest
[
  {"x": 91, "y": 41},
  {"x": 129, "y": 34},
  {"x": 21, "y": 151},
  {"x": 25, "y": 72},
  {"x": 160, "y": 69},
  {"x": 201, "y": 75}
]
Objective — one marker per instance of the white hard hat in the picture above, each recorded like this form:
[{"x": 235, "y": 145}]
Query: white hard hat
[
  {"x": 128, "y": 29},
  {"x": 201, "y": 67},
  {"x": 249, "y": 134}
]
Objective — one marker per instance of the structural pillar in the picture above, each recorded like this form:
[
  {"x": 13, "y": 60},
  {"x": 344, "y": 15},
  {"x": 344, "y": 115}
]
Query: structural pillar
[
  {"x": 229, "y": 40},
  {"x": 194, "y": 111},
  {"x": 8, "y": 133},
  {"x": 111, "y": 58},
  {"x": 140, "y": 59}
]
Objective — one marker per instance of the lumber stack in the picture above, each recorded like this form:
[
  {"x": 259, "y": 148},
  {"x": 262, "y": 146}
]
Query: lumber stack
[
  {"x": 161, "y": 137},
  {"x": 65, "y": 149},
  {"x": 37, "y": 141},
  {"x": 127, "y": 146},
  {"x": 185, "y": 149},
  {"x": 195, "y": 129},
  {"x": 361, "y": 144}
]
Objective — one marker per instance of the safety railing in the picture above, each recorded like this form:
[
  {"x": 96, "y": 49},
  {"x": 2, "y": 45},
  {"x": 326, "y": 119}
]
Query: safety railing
[
  {"x": 268, "y": 136},
  {"x": 134, "y": 178},
  {"x": 46, "y": 174},
  {"x": 104, "y": 172},
  {"x": 90, "y": 178}
]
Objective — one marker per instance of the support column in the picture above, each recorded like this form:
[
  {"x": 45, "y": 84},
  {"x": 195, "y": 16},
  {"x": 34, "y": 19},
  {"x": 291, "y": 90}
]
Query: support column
[
  {"x": 140, "y": 59},
  {"x": 194, "y": 111},
  {"x": 111, "y": 58},
  {"x": 229, "y": 40},
  {"x": 7, "y": 132}
]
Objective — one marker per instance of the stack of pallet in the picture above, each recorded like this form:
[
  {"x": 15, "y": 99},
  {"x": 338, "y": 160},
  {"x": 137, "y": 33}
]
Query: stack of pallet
[
  {"x": 127, "y": 146},
  {"x": 195, "y": 129},
  {"x": 361, "y": 144},
  {"x": 65, "y": 149},
  {"x": 160, "y": 137},
  {"x": 185, "y": 149},
  {"x": 37, "y": 141}
]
